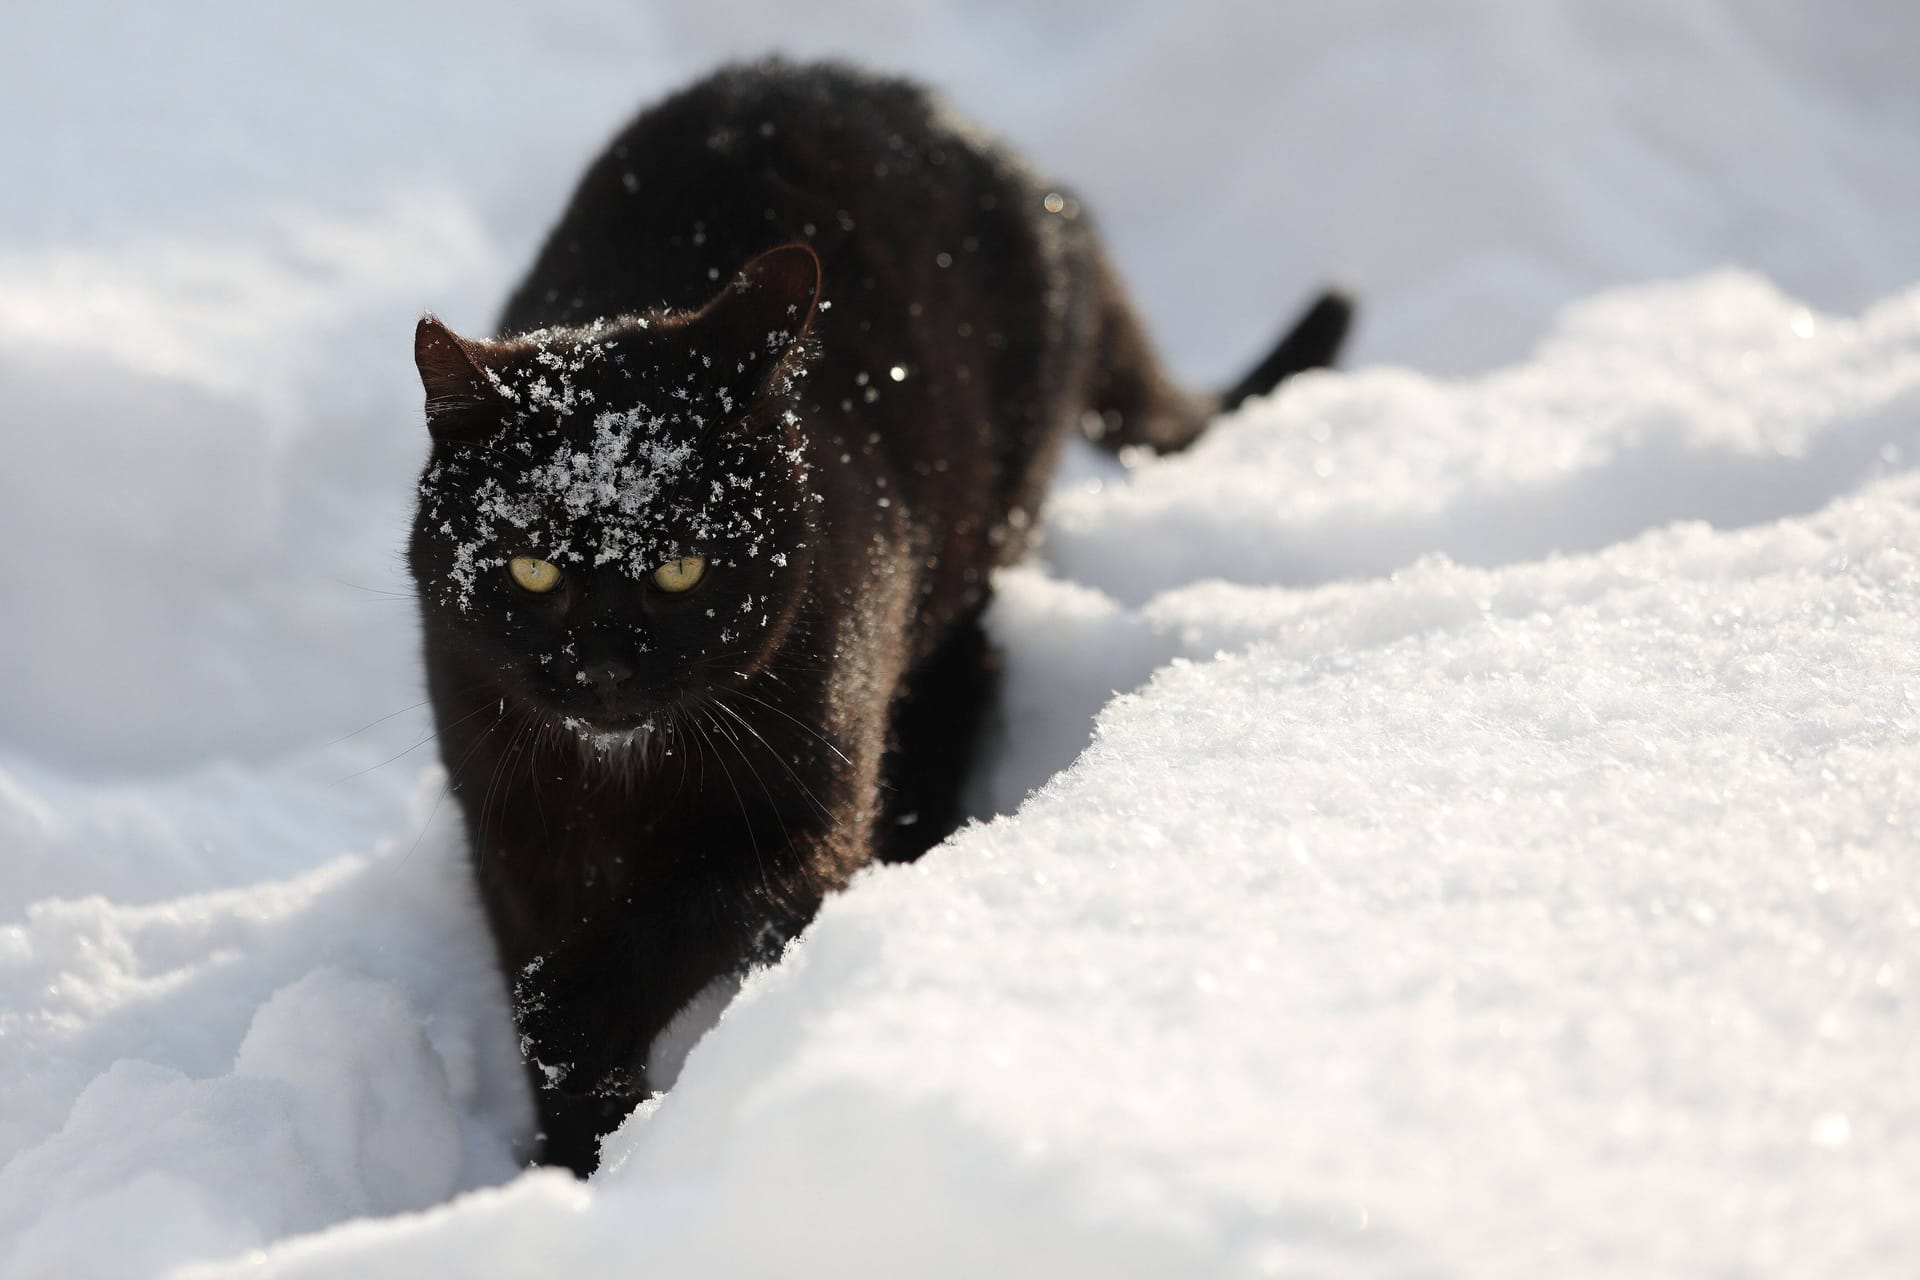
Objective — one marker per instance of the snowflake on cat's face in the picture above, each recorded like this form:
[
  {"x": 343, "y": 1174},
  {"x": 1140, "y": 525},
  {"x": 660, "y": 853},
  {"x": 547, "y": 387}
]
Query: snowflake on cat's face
[
  {"x": 553, "y": 379},
  {"x": 601, "y": 504},
  {"x": 635, "y": 488}
]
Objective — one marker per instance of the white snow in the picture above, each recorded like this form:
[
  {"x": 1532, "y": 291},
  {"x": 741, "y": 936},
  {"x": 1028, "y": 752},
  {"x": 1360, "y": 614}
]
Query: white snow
[{"x": 1500, "y": 859}]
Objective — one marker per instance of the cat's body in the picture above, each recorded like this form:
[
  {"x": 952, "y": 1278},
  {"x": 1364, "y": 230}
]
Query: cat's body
[{"x": 839, "y": 441}]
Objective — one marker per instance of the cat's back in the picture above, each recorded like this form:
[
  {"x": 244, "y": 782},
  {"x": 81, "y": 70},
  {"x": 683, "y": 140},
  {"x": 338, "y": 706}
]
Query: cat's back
[{"x": 874, "y": 172}]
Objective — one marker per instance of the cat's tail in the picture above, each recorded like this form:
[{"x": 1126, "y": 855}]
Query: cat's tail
[
  {"x": 1313, "y": 342},
  {"x": 1136, "y": 403}
]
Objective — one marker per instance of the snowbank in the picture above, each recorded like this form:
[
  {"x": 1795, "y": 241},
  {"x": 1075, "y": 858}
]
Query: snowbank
[
  {"x": 1555, "y": 926},
  {"x": 1505, "y": 865},
  {"x": 1548, "y": 914},
  {"x": 211, "y": 1073}
]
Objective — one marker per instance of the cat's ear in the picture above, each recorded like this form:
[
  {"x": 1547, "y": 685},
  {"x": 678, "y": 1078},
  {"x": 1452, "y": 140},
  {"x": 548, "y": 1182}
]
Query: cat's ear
[
  {"x": 767, "y": 309},
  {"x": 461, "y": 402}
]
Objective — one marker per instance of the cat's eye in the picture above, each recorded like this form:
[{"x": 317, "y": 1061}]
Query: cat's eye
[
  {"x": 681, "y": 574},
  {"x": 533, "y": 574}
]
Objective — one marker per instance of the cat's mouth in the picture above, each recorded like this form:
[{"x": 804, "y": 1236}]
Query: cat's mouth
[
  {"x": 600, "y": 712},
  {"x": 634, "y": 719},
  {"x": 607, "y": 733},
  {"x": 609, "y": 721}
]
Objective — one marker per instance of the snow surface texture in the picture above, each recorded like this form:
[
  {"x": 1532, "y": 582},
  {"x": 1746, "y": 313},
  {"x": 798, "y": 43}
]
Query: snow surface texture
[{"x": 1506, "y": 864}]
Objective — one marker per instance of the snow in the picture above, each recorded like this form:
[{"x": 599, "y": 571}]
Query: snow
[{"x": 1498, "y": 857}]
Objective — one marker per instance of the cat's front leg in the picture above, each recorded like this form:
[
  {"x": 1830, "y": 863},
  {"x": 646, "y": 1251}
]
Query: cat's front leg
[
  {"x": 572, "y": 1125},
  {"x": 576, "y": 1008}
]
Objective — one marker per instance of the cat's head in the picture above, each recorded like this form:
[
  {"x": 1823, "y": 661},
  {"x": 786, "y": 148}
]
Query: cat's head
[{"x": 615, "y": 518}]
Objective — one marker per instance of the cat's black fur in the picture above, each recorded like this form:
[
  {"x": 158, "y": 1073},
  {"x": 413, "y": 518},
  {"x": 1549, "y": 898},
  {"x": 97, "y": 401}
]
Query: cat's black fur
[{"x": 804, "y": 323}]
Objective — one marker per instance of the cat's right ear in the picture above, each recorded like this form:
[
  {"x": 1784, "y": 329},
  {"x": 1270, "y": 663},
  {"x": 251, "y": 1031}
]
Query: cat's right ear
[
  {"x": 768, "y": 308},
  {"x": 460, "y": 400}
]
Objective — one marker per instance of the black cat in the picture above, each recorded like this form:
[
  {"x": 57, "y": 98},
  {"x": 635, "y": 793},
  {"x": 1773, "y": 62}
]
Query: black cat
[{"x": 704, "y": 540}]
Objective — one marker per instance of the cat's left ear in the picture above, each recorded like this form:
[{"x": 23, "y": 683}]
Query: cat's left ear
[{"x": 768, "y": 308}]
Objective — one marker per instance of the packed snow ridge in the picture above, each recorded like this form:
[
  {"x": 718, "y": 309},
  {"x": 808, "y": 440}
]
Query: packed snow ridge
[{"x": 1513, "y": 906}]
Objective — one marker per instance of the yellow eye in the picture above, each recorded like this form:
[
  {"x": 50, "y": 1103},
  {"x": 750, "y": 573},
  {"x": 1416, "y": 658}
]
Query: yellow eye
[
  {"x": 533, "y": 574},
  {"x": 680, "y": 575}
]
